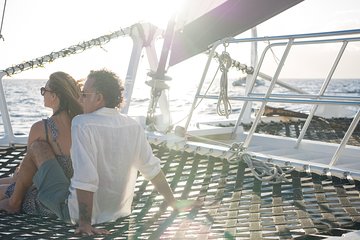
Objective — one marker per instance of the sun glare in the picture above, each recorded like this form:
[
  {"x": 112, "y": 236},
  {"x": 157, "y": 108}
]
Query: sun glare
[{"x": 159, "y": 12}]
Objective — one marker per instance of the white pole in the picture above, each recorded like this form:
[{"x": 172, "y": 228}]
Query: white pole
[
  {"x": 133, "y": 67},
  {"x": 8, "y": 135},
  {"x": 254, "y": 59}
]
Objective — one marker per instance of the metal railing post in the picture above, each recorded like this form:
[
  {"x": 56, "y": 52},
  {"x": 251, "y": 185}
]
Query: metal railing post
[
  {"x": 345, "y": 139},
  {"x": 321, "y": 93},
  {"x": 8, "y": 131},
  {"x": 268, "y": 93},
  {"x": 211, "y": 54},
  {"x": 251, "y": 87}
]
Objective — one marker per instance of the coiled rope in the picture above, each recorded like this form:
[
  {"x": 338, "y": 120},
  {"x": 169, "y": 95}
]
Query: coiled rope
[
  {"x": 263, "y": 171},
  {"x": 223, "y": 105}
]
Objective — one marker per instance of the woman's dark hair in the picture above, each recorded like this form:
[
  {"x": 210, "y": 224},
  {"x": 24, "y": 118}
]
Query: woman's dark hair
[
  {"x": 68, "y": 92},
  {"x": 109, "y": 85}
]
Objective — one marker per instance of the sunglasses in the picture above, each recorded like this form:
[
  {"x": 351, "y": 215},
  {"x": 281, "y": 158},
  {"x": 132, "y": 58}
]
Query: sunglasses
[{"x": 43, "y": 90}]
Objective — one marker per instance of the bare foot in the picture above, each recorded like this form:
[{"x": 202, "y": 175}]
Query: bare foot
[{"x": 7, "y": 207}]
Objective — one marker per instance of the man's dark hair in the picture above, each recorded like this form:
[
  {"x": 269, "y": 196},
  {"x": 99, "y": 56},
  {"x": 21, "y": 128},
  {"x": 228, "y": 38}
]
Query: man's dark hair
[{"x": 109, "y": 85}]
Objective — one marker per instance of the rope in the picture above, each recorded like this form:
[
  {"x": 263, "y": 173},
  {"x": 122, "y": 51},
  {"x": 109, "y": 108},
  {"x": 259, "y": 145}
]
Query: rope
[
  {"x": 263, "y": 171},
  {"x": 276, "y": 59},
  {"x": 78, "y": 48},
  {"x": 150, "y": 117},
  {"x": 198, "y": 103},
  {"x": 236, "y": 64},
  {"x": 2, "y": 21},
  {"x": 223, "y": 104}
]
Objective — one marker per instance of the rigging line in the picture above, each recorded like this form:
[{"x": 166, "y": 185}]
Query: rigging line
[
  {"x": 2, "y": 21},
  {"x": 74, "y": 49},
  {"x": 273, "y": 53},
  {"x": 207, "y": 90}
]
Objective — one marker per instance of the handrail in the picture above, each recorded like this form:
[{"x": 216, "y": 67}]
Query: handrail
[
  {"x": 315, "y": 99},
  {"x": 288, "y": 99},
  {"x": 294, "y": 36},
  {"x": 308, "y": 96}
]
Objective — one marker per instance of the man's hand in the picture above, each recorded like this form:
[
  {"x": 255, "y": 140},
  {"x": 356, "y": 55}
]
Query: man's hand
[
  {"x": 88, "y": 230},
  {"x": 85, "y": 201}
]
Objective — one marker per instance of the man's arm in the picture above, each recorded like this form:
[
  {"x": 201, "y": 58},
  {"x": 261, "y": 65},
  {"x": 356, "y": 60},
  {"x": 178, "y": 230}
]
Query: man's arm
[
  {"x": 164, "y": 189},
  {"x": 85, "y": 201}
]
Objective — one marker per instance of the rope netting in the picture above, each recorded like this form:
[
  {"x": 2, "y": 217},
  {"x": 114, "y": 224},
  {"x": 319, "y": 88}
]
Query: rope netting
[{"x": 236, "y": 204}]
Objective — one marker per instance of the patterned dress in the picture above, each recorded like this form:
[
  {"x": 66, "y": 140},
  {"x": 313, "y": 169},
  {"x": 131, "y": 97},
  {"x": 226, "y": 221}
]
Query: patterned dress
[{"x": 31, "y": 204}]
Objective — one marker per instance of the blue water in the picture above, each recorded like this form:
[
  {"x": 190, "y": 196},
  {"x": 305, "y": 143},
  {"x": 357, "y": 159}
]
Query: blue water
[{"x": 25, "y": 103}]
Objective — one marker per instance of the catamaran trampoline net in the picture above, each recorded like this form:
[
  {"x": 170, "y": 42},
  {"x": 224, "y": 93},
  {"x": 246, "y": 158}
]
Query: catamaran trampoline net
[{"x": 236, "y": 204}]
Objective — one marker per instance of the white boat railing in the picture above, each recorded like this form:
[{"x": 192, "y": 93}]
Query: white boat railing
[{"x": 315, "y": 100}]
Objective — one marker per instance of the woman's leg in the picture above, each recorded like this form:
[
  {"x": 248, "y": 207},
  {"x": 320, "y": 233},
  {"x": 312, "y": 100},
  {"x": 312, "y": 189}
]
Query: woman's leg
[
  {"x": 6, "y": 180},
  {"x": 23, "y": 182},
  {"x": 38, "y": 152},
  {"x": 3, "y": 188}
]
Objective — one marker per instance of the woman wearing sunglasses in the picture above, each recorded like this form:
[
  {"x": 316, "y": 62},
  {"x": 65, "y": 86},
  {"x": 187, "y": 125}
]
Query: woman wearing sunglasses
[{"x": 61, "y": 94}]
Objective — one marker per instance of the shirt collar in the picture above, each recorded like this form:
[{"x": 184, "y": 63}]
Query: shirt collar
[{"x": 106, "y": 111}]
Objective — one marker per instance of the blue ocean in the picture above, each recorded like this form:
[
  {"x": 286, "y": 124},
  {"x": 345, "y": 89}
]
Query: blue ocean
[{"x": 25, "y": 104}]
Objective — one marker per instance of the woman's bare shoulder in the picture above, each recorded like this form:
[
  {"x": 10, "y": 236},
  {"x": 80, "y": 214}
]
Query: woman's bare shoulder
[{"x": 37, "y": 131}]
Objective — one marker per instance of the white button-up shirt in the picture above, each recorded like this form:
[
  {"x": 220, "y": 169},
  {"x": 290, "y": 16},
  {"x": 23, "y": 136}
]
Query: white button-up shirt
[{"x": 108, "y": 149}]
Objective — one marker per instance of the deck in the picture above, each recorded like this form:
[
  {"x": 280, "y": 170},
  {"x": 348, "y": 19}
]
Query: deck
[{"x": 236, "y": 204}]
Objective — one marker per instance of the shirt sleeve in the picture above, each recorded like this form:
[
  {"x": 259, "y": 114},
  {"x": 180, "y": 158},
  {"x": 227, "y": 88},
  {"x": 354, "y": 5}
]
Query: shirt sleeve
[
  {"x": 83, "y": 155},
  {"x": 147, "y": 164}
]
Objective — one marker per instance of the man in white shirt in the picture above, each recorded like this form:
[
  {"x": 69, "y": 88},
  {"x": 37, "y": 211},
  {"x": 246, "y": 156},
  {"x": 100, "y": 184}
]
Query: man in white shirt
[{"x": 108, "y": 148}]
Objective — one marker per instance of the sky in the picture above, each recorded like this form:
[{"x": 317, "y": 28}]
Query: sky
[{"x": 33, "y": 28}]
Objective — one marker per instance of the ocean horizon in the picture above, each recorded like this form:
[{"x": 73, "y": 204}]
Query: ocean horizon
[{"x": 25, "y": 104}]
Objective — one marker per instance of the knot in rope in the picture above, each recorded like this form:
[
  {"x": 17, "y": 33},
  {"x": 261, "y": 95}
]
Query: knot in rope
[
  {"x": 267, "y": 172},
  {"x": 223, "y": 104},
  {"x": 237, "y": 147},
  {"x": 225, "y": 61},
  {"x": 238, "y": 152},
  {"x": 263, "y": 171}
]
